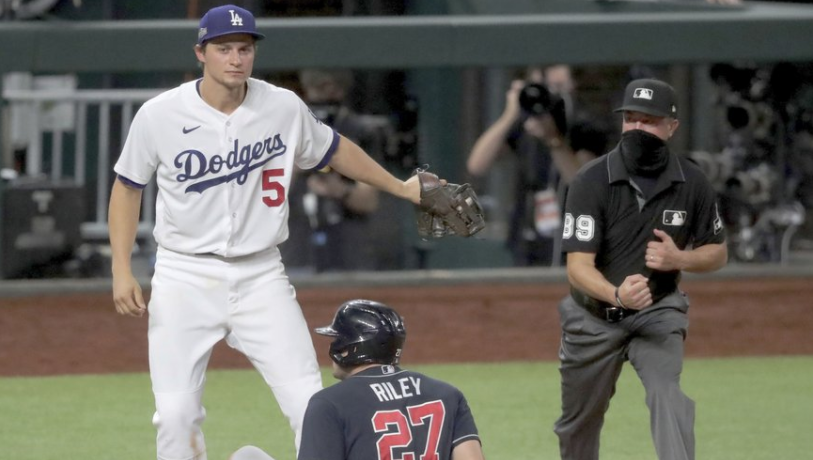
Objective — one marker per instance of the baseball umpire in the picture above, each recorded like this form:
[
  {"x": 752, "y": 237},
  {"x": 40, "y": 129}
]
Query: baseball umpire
[
  {"x": 634, "y": 219},
  {"x": 223, "y": 150}
]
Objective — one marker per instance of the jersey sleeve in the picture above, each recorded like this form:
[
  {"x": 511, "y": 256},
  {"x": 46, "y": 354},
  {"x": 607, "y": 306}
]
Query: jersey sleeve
[
  {"x": 318, "y": 140},
  {"x": 582, "y": 229},
  {"x": 709, "y": 228},
  {"x": 139, "y": 157},
  {"x": 322, "y": 435},
  {"x": 464, "y": 427}
]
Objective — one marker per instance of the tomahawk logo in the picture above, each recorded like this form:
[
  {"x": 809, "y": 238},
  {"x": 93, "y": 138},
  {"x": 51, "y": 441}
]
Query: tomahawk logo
[
  {"x": 642, "y": 93},
  {"x": 236, "y": 20}
]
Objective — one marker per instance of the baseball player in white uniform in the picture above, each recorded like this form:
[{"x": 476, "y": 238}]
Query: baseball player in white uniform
[{"x": 223, "y": 150}]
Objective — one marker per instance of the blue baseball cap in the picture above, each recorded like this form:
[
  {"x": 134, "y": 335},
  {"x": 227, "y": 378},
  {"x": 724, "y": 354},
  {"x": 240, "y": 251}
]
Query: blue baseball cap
[{"x": 225, "y": 20}]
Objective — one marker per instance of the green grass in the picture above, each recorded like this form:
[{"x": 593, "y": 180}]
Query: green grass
[{"x": 747, "y": 409}]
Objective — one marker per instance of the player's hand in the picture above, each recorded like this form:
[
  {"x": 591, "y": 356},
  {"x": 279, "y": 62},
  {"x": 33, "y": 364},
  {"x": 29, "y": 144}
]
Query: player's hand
[
  {"x": 512, "y": 108},
  {"x": 412, "y": 189},
  {"x": 634, "y": 292},
  {"x": 127, "y": 296},
  {"x": 663, "y": 255}
]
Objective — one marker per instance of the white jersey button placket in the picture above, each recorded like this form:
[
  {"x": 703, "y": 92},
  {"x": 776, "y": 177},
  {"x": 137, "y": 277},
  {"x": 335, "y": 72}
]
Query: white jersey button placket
[{"x": 229, "y": 135}]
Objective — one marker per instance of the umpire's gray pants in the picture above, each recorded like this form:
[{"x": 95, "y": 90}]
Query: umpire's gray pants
[{"x": 592, "y": 352}]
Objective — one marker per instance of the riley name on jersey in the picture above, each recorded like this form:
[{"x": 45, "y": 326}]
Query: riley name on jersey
[
  {"x": 195, "y": 164},
  {"x": 406, "y": 387}
]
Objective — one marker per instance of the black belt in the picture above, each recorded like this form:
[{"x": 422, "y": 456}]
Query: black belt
[{"x": 601, "y": 310}]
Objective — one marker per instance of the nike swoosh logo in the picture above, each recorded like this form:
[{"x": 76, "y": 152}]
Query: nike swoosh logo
[{"x": 187, "y": 131}]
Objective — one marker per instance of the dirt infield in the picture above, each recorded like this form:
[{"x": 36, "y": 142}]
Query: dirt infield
[{"x": 81, "y": 333}]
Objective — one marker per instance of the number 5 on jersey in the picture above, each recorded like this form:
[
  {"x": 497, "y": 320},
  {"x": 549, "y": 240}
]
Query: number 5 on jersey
[{"x": 271, "y": 185}]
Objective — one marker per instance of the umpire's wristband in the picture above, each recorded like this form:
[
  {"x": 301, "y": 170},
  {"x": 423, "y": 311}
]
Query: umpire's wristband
[{"x": 618, "y": 299}]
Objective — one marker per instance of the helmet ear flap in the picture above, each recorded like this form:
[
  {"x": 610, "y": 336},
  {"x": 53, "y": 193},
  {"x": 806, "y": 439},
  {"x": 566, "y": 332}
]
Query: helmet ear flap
[{"x": 343, "y": 354}]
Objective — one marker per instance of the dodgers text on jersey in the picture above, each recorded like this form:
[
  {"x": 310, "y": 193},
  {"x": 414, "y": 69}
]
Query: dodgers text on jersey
[{"x": 239, "y": 162}]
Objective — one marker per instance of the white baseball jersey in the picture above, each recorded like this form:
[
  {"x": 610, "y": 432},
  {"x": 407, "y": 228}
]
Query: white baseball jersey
[{"x": 223, "y": 179}]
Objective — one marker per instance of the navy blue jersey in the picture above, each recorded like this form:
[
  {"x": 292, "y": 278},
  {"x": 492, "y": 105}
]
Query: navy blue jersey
[
  {"x": 386, "y": 413},
  {"x": 607, "y": 215}
]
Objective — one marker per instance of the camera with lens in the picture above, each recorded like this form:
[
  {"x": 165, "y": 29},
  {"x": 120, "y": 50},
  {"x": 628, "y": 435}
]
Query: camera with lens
[
  {"x": 765, "y": 114},
  {"x": 755, "y": 118},
  {"x": 535, "y": 100},
  {"x": 729, "y": 173},
  {"x": 746, "y": 100}
]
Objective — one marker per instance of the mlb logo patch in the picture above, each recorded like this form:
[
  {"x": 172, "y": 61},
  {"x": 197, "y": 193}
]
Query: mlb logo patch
[
  {"x": 642, "y": 93},
  {"x": 718, "y": 222},
  {"x": 674, "y": 218},
  {"x": 388, "y": 369}
]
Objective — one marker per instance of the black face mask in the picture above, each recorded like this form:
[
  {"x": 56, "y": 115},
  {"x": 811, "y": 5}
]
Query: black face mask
[{"x": 644, "y": 154}]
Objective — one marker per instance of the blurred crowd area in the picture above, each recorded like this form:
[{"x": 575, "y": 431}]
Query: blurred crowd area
[{"x": 749, "y": 125}]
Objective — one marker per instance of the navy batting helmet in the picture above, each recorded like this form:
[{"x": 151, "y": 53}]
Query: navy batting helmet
[{"x": 369, "y": 332}]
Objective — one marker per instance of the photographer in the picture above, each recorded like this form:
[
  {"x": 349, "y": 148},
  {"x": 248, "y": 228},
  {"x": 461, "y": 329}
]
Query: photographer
[
  {"x": 330, "y": 214},
  {"x": 551, "y": 142}
]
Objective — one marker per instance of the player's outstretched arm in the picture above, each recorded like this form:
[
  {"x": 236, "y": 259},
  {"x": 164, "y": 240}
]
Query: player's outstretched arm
[
  {"x": 357, "y": 197},
  {"x": 351, "y": 161},
  {"x": 468, "y": 450},
  {"x": 122, "y": 221}
]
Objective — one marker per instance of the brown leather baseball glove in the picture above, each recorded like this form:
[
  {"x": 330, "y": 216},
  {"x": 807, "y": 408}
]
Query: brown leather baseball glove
[{"x": 449, "y": 209}]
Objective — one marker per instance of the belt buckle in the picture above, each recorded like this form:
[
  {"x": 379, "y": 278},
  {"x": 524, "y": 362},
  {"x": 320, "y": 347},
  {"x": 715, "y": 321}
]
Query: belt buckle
[{"x": 613, "y": 314}]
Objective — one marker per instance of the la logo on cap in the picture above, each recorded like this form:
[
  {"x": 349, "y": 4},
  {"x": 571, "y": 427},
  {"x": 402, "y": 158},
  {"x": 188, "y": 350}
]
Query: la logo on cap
[
  {"x": 642, "y": 93},
  {"x": 236, "y": 20}
]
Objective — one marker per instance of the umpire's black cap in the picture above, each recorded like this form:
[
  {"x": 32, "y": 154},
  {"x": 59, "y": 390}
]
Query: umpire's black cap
[{"x": 650, "y": 96}]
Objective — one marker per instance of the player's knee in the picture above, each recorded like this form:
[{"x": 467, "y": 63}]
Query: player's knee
[
  {"x": 293, "y": 400},
  {"x": 174, "y": 418},
  {"x": 293, "y": 397},
  {"x": 178, "y": 415},
  {"x": 663, "y": 390}
]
